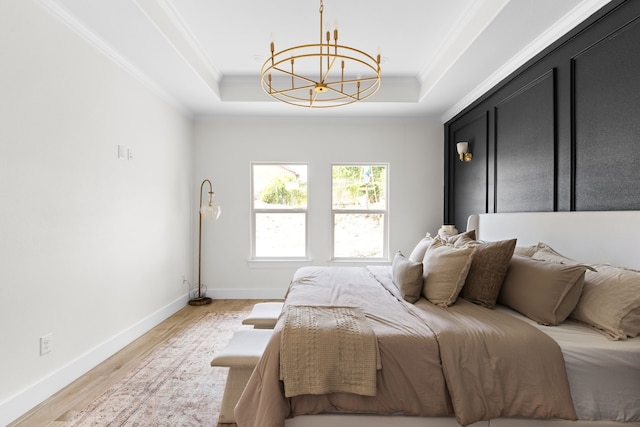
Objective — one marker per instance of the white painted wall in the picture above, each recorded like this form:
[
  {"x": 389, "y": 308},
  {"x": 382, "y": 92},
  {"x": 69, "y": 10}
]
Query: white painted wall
[
  {"x": 225, "y": 147},
  {"x": 92, "y": 248}
]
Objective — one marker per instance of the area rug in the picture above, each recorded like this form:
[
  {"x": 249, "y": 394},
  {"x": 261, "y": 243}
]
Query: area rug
[{"x": 174, "y": 386}]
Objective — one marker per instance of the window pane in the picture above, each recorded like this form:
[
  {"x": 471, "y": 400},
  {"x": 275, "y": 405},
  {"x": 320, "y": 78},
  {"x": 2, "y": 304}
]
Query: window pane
[
  {"x": 358, "y": 235},
  {"x": 280, "y": 186},
  {"x": 271, "y": 228},
  {"x": 359, "y": 187}
]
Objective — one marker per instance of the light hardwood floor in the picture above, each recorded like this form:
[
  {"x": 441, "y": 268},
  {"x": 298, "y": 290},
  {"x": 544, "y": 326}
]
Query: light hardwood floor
[{"x": 63, "y": 405}]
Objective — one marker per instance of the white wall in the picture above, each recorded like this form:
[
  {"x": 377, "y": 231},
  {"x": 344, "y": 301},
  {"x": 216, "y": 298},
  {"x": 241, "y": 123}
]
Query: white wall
[
  {"x": 92, "y": 248},
  {"x": 224, "y": 149}
]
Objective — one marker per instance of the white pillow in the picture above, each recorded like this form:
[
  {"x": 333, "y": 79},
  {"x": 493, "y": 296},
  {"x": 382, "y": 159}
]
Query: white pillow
[{"x": 417, "y": 254}]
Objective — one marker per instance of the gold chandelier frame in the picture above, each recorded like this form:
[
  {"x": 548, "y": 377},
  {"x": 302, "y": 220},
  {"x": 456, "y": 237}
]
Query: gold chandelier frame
[{"x": 331, "y": 88}]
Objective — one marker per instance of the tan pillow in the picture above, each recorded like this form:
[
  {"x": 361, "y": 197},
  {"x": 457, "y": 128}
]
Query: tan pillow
[
  {"x": 407, "y": 276},
  {"x": 610, "y": 301},
  {"x": 445, "y": 270},
  {"x": 545, "y": 252},
  {"x": 546, "y": 292},
  {"x": 417, "y": 254},
  {"x": 462, "y": 238},
  {"x": 489, "y": 266},
  {"x": 525, "y": 250}
]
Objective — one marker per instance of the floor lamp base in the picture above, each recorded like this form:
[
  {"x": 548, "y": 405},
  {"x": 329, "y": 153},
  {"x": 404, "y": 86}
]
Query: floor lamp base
[{"x": 200, "y": 301}]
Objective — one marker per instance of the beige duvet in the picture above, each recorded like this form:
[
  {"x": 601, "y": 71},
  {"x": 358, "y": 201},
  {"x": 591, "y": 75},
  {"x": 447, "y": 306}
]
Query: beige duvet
[{"x": 467, "y": 361}]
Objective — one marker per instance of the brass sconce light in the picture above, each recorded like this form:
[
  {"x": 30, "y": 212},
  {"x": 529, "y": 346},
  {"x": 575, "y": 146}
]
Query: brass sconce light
[
  {"x": 463, "y": 151},
  {"x": 210, "y": 210}
]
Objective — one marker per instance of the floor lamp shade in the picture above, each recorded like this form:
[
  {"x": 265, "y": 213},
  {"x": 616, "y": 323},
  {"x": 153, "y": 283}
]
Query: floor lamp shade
[{"x": 209, "y": 211}]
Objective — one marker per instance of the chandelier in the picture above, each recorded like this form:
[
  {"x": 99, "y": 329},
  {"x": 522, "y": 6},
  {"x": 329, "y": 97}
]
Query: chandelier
[{"x": 320, "y": 75}]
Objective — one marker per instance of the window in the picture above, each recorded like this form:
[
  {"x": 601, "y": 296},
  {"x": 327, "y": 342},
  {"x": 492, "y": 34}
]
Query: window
[
  {"x": 359, "y": 211},
  {"x": 279, "y": 209}
]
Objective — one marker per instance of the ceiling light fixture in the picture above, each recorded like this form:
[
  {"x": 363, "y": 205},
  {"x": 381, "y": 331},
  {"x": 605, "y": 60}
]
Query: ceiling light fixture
[{"x": 344, "y": 74}]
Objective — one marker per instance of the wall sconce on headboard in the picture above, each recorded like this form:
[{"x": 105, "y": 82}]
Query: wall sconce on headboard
[{"x": 463, "y": 151}]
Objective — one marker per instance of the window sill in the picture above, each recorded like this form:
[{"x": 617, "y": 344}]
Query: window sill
[{"x": 276, "y": 263}]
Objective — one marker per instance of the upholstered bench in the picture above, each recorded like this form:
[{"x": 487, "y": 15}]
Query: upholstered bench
[
  {"x": 264, "y": 315},
  {"x": 241, "y": 356}
]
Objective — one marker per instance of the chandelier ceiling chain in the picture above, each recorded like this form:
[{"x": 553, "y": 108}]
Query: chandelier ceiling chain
[{"x": 288, "y": 76}]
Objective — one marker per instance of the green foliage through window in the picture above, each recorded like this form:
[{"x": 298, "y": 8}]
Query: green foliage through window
[
  {"x": 358, "y": 186},
  {"x": 284, "y": 190}
]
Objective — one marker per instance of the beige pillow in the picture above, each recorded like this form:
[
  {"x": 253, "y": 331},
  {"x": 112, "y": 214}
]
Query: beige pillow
[
  {"x": 445, "y": 270},
  {"x": 546, "y": 292},
  {"x": 610, "y": 301},
  {"x": 525, "y": 250},
  {"x": 407, "y": 276},
  {"x": 462, "y": 238},
  {"x": 417, "y": 254},
  {"x": 489, "y": 266},
  {"x": 547, "y": 253}
]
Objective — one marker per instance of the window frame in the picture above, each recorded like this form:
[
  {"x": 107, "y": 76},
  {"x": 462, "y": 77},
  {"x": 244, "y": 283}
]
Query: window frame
[
  {"x": 279, "y": 260},
  {"x": 384, "y": 212}
]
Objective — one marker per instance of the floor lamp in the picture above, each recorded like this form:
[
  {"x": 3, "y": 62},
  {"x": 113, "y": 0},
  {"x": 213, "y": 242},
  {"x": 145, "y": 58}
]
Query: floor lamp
[{"x": 210, "y": 210}]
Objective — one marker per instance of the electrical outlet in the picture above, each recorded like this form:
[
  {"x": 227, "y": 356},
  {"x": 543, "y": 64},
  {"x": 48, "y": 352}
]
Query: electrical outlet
[{"x": 46, "y": 343}]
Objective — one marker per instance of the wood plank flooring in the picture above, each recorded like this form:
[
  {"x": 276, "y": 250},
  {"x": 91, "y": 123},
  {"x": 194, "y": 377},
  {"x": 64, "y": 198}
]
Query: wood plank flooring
[{"x": 63, "y": 405}]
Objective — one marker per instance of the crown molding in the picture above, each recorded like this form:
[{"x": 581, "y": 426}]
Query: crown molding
[
  {"x": 97, "y": 42},
  {"x": 568, "y": 22}
]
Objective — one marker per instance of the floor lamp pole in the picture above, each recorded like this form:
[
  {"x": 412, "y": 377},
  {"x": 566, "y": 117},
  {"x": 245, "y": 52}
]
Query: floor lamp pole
[{"x": 211, "y": 210}]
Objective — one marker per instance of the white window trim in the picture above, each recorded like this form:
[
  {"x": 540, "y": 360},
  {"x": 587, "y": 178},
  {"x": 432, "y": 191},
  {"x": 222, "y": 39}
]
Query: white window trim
[
  {"x": 385, "y": 231},
  {"x": 282, "y": 262}
]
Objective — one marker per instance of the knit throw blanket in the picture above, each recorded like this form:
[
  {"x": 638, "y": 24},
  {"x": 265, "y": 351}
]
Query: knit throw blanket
[{"x": 328, "y": 350}]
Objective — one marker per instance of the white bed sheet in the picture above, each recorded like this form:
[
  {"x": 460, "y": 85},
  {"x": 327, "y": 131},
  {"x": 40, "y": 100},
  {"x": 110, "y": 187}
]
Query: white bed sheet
[{"x": 604, "y": 375}]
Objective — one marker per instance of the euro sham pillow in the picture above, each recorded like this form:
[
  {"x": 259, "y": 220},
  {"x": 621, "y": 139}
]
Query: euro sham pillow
[
  {"x": 445, "y": 270},
  {"x": 407, "y": 276},
  {"x": 610, "y": 301},
  {"x": 488, "y": 269},
  {"x": 546, "y": 292}
]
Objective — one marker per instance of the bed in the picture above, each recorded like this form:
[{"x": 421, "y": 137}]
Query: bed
[{"x": 451, "y": 352}]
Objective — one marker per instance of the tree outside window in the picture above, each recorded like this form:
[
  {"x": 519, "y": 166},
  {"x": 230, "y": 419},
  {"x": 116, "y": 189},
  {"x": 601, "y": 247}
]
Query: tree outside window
[
  {"x": 279, "y": 208},
  {"x": 359, "y": 211}
]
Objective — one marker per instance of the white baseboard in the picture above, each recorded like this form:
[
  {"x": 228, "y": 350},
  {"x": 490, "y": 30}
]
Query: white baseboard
[
  {"x": 23, "y": 401},
  {"x": 246, "y": 293}
]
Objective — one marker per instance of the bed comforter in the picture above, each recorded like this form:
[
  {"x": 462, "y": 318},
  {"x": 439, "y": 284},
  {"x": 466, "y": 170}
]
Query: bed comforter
[{"x": 466, "y": 360}]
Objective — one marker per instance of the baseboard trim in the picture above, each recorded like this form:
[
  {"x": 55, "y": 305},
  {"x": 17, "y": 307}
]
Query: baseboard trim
[
  {"x": 27, "y": 399},
  {"x": 246, "y": 293}
]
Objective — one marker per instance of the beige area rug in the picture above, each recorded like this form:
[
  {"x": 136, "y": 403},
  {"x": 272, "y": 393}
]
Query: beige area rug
[{"x": 174, "y": 386}]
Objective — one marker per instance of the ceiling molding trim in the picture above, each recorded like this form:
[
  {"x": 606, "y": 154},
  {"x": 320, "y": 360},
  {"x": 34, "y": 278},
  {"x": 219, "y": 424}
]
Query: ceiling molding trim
[
  {"x": 465, "y": 31},
  {"x": 164, "y": 16},
  {"x": 565, "y": 24},
  {"x": 94, "y": 40}
]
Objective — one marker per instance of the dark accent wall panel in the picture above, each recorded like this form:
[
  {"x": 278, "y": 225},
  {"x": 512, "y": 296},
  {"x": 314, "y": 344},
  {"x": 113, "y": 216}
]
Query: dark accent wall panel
[
  {"x": 525, "y": 149},
  {"x": 470, "y": 195},
  {"x": 607, "y": 122},
  {"x": 562, "y": 132}
]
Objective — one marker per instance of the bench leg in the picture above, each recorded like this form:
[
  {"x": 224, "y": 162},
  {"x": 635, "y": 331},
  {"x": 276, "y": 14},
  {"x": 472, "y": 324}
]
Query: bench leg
[{"x": 236, "y": 381}]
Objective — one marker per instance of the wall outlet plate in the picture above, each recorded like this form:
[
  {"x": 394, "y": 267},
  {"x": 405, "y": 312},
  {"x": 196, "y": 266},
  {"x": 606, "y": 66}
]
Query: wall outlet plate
[{"x": 46, "y": 343}]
